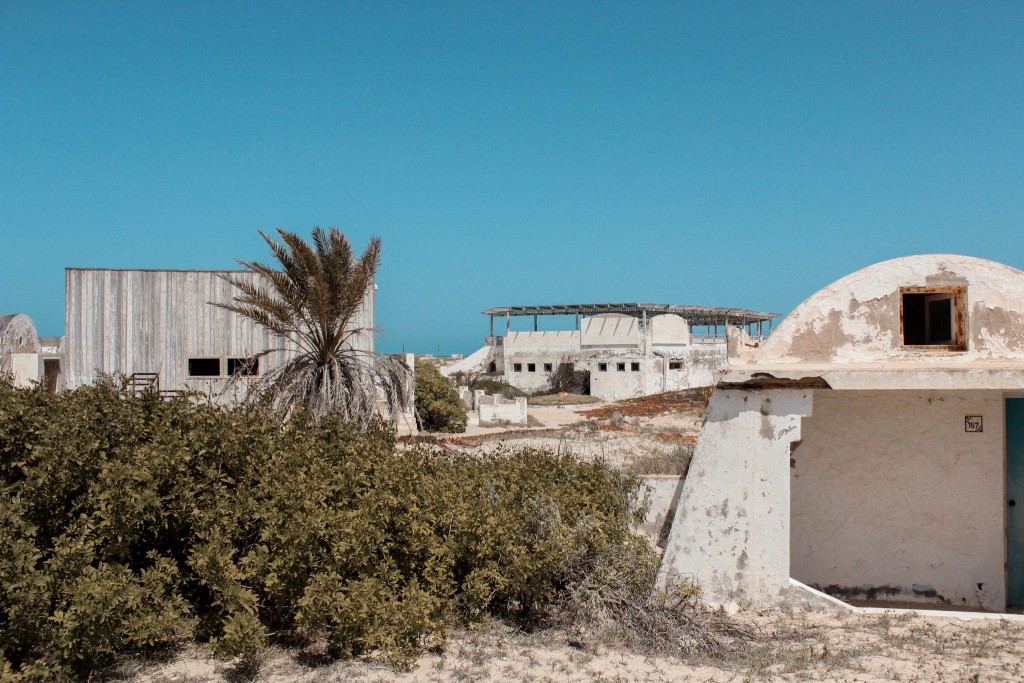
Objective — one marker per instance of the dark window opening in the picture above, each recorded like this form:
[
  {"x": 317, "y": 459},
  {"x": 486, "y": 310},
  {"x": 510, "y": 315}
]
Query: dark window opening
[
  {"x": 621, "y": 367},
  {"x": 602, "y": 367},
  {"x": 51, "y": 373},
  {"x": 243, "y": 366},
  {"x": 635, "y": 367},
  {"x": 517, "y": 367},
  {"x": 531, "y": 367},
  {"x": 675, "y": 365},
  {"x": 204, "y": 367},
  {"x": 933, "y": 316},
  {"x": 493, "y": 367},
  {"x": 547, "y": 367}
]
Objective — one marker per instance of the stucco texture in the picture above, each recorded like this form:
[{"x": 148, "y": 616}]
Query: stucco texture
[
  {"x": 857, "y": 318},
  {"x": 893, "y": 500}
]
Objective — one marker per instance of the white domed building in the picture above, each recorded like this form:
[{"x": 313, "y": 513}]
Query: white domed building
[{"x": 871, "y": 448}]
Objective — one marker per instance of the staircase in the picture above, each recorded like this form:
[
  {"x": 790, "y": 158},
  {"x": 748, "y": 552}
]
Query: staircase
[{"x": 142, "y": 382}]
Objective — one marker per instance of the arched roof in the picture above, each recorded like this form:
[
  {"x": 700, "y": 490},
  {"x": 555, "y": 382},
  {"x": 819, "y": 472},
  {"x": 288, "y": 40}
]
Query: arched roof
[
  {"x": 18, "y": 334},
  {"x": 858, "y": 318}
]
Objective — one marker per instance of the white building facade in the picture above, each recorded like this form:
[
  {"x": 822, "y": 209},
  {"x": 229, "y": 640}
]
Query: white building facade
[
  {"x": 628, "y": 350},
  {"x": 872, "y": 448}
]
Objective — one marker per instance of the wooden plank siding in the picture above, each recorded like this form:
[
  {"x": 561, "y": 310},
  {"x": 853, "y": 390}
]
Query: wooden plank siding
[{"x": 127, "y": 321}]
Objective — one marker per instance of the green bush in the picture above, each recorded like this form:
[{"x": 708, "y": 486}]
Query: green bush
[
  {"x": 129, "y": 524},
  {"x": 438, "y": 406}
]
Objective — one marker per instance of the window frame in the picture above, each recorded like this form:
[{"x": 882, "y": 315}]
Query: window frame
[
  {"x": 958, "y": 319},
  {"x": 188, "y": 367}
]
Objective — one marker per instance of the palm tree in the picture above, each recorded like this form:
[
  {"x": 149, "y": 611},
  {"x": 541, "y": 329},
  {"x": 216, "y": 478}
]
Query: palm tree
[{"x": 313, "y": 300}]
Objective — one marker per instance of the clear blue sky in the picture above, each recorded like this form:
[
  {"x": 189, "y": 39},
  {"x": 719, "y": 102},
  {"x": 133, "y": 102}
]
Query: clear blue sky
[{"x": 721, "y": 153}]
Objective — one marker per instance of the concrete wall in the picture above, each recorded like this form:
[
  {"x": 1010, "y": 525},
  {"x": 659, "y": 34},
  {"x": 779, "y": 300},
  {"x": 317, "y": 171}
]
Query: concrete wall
[
  {"x": 498, "y": 410},
  {"x": 664, "y": 492},
  {"x": 610, "y": 329},
  {"x": 126, "y": 321},
  {"x": 669, "y": 330},
  {"x": 614, "y": 384},
  {"x": 731, "y": 528},
  {"x": 892, "y": 499},
  {"x": 537, "y": 348}
]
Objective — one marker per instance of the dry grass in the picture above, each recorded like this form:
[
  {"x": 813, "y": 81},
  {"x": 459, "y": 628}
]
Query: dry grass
[
  {"x": 562, "y": 399},
  {"x": 787, "y": 646}
]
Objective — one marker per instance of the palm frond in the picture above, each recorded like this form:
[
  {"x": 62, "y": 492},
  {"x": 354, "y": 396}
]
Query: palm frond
[{"x": 314, "y": 299}]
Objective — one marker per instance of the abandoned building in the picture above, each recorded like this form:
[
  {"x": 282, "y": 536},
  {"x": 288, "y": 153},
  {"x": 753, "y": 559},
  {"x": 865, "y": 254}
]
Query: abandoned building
[
  {"x": 25, "y": 357},
  {"x": 628, "y": 349},
  {"x": 871, "y": 448},
  {"x": 158, "y": 328}
]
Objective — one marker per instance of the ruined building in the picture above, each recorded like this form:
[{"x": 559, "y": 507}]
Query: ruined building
[
  {"x": 872, "y": 448},
  {"x": 628, "y": 349}
]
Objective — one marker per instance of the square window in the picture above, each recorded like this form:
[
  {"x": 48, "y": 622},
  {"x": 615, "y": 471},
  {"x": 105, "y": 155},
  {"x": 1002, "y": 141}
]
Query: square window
[
  {"x": 531, "y": 367},
  {"x": 517, "y": 367},
  {"x": 204, "y": 367},
  {"x": 602, "y": 367},
  {"x": 547, "y": 367},
  {"x": 635, "y": 367},
  {"x": 621, "y": 367},
  {"x": 675, "y": 365},
  {"x": 246, "y": 367},
  {"x": 933, "y": 317}
]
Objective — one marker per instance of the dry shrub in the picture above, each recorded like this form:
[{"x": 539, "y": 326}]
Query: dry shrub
[{"x": 614, "y": 601}]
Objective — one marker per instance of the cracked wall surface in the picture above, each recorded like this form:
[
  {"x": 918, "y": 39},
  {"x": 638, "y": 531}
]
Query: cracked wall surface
[{"x": 857, "y": 318}]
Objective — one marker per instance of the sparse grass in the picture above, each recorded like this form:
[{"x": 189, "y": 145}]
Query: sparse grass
[
  {"x": 675, "y": 462},
  {"x": 562, "y": 399}
]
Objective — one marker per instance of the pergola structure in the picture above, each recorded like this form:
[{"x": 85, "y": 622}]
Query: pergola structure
[{"x": 696, "y": 316}]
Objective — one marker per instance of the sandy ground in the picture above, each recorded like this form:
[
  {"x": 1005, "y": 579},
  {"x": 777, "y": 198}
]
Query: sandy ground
[
  {"x": 620, "y": 442},
  {"x": 798, "y": 646}
]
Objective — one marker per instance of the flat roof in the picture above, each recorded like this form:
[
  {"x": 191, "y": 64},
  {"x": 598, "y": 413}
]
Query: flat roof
[{"x": 695, "y": 315}]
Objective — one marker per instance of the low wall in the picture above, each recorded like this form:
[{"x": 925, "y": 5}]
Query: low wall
[{"x": 495, "y": 409}]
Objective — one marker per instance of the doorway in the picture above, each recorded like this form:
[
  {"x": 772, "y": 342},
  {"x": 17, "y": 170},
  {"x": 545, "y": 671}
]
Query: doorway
[{"x": 1015, "y": 502}]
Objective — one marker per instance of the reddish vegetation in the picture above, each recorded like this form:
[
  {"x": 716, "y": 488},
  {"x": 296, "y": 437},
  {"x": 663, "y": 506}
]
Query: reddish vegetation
[{"x": 655, "y": 404}]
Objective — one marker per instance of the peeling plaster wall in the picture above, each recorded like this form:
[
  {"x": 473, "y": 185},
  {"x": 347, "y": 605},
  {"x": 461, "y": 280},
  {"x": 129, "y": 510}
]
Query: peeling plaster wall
[
  {"x": 892, "y": 499},
  {"x": 731, "y": 528},
  {"x": 857, "y": 318},
  {"x": 537, "y": 348}
]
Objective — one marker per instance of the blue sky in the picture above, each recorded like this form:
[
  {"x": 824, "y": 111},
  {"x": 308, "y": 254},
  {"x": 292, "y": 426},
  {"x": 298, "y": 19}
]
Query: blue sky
[{"x": 721, "y": 153}]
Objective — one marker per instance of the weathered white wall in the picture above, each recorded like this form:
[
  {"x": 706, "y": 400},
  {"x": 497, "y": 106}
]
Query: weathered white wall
[
  {"x": 857, "y": 318},
  {"x": 126, "y": 321},
  {"x": 20, "y": 349},
  {"x": 614, "y": 384},
  {"x": 610, "y": 329},
  {"x": 669, "y": 330},
  {"x": 498, "y": 410},
  {"x": 701, "y": 366},
  {"x": 664, "y": 492},
  {"x": 537, "y": 348},
  {"x": 731, "y": 528},
  {"x": 892, "y": 499},
  {"x": 26, "y": 368}
]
